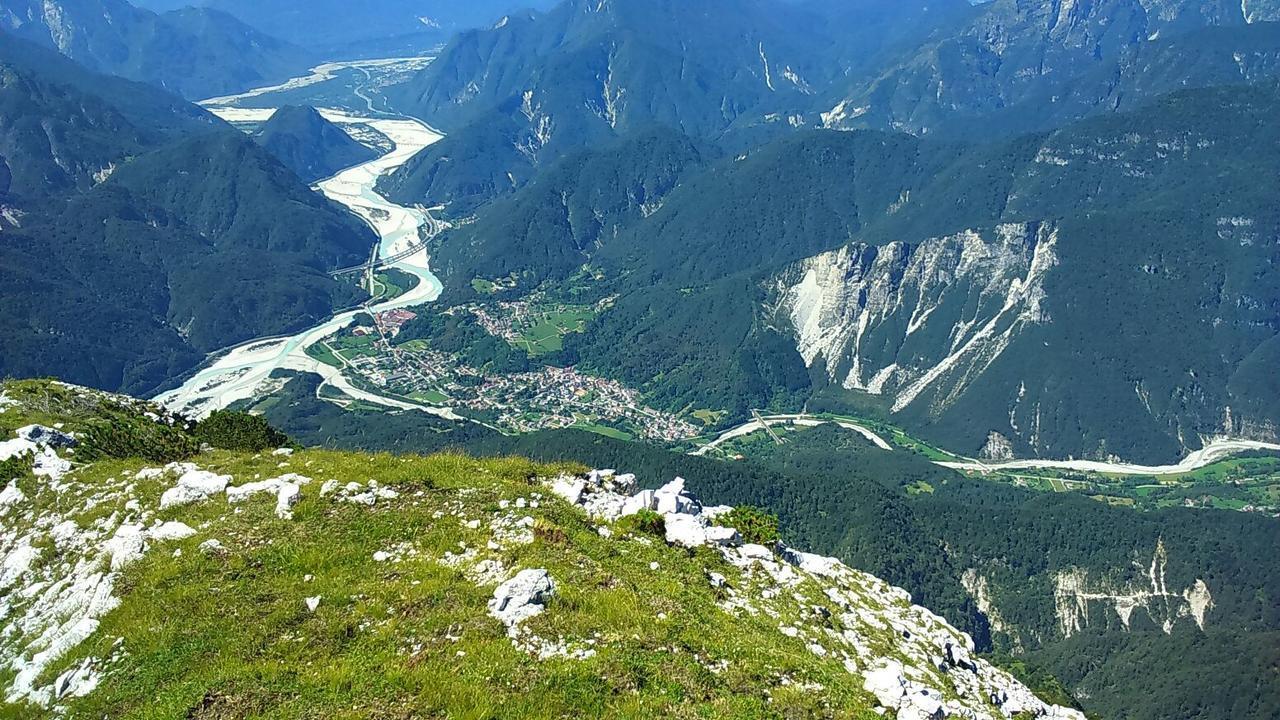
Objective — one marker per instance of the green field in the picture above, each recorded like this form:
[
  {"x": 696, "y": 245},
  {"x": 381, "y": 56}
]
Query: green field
[
  {"x": 391, "y": 284},
  {"x": 604, "y": 430},
  {"x": 320, "y": 351},
  {"x": 546, "y": 335},
  {"x": 432, "y": 397}
]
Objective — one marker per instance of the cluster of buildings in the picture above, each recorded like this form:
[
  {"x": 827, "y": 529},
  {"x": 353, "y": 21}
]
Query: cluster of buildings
[{"x": 548, "y": 398}]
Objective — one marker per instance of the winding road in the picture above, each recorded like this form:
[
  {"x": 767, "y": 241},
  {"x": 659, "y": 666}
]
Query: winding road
[{"x": 1214, "y": 450}]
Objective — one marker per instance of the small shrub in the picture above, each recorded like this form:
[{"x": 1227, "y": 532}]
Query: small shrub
[
  {"x": 753, "y": 524},
  {"x": 16, "y": 467},
  {"x": 645, "y": 522},
  {"x": 545, "y": 532},
  {"x": 242, "y": 432}
]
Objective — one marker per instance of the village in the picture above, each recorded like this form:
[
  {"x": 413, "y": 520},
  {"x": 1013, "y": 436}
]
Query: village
[{"x": 544, "y": 398}]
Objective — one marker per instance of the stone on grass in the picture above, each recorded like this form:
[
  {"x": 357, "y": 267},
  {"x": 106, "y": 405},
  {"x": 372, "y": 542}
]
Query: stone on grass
[
  {"x": 522, "y": 597},
  {"x": 194, "y": 486}
]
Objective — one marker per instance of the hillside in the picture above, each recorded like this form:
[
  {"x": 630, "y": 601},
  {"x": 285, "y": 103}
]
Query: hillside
[
  {"x": 939, "y": 283},
  {"x": 1019, "y": 66},
  {"x": 196, "y": 53},
  {"x": 470, "y": 584},
  {"x": 141, "y": 233},
  {"x": 309, "y": 145},
  {"x": 1057, "y": 582},
  {"x": 587, "y": 72}
]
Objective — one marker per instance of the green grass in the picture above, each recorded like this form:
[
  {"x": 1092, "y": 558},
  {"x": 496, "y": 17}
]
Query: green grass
[
  {"x": 709, "y": 418},
  {"x": 320, "y": 351},
  {"x": 604, "y": 430},
  {"x": 484, "y": 287},
  {"x": 434, "y": 397},
  {"x": 547, "y": 333},
  {"x": 213, "y": 636}
]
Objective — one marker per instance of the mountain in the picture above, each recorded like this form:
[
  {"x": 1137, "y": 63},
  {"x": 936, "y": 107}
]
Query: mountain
[
  {"x": 309, "y": 145},
  {"x": 371, "y": 26},
  {"x": 64, "y": 126},
  {"x": 569, "y": 212},
  {"x": 587, "y": 589},
  {"x": 1020, "y": 66},
  {"x": 1015, "y": 313},
  {"x": 975, "y": 293},
  {"x": 138, "y": 237},
  {"x": 196, "y": 53},
  {"x": 586, "y": 72},
  {"x": 1058, "y": 582}
]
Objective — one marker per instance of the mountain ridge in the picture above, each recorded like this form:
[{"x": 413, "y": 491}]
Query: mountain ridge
[{"x": 869, "y": 648}]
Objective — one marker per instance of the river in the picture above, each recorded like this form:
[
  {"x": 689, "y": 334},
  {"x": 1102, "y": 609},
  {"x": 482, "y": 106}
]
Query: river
[{"x": 239, "y": 373}]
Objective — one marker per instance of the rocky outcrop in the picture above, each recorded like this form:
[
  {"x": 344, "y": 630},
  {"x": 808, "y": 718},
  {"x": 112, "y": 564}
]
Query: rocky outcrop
[
  {"x": 1077, "y": 594},
  {"x": 919, "y": 323},
  {"x": 911, "y": 660}
]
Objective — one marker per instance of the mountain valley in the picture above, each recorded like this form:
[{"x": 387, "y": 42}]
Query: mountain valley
[{"x": 979, "y": 299}]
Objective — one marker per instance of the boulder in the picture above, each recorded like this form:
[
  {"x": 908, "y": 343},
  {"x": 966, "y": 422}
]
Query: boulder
[
  {"x": 42, "y": 435},
  {"x": 171, "y": 531},
  {"x": 643, "y": 500},
  {"x": 921, "y": 703},
  {"x": 569, "y": 488},
  {"x": 522, "y": 597},
  {"x": 723, "y": 536},
  {"x": 887, "y": 684},
  {"x": 685, "y": 530},
  {"x": 11, "y": 495},
  {"x": 671, "y": 498},
  {"x": 194, "y": 486},
  {"x": 126, "y": 546}
]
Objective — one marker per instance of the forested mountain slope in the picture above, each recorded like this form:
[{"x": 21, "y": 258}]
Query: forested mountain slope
[
  {"x": 1018, "y": 66},
  {"x": 309, "y": 145},
  {"x": 945, "y": 283},
  {"x": 140, "y": 233},
  {"x": 586, "y": 72},
  {"x": 1028, "y": 311},
  {"x": 550, "y": 228},
  {"x": 196, "y": 53}
]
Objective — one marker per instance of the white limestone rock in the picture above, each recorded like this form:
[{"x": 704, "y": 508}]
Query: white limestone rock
[
  {"x": 641, "y": 501},
  {"x": 522, "y": 597},
  {"x": 170, "y": 531},
  {"x": 685, "y": 530},
  {"x": 194, "y": 486},
  {"x": 127, "y": 546},
  {"x": 671, "y": 498},
  {"x": 287, "y": 490},
  {"x": 46, "y": 436},
  {"x": 569, "y": 488},
  {"x": 11, "y": 496}
]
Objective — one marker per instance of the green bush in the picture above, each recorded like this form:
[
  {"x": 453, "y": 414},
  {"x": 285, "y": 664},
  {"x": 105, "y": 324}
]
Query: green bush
[
  {"x": 15, "y": 467},
  {"x": 753, "y": 524},
  {"x": 646, "y": 522},
  {"x": 227, "y": 430},
  {"x": 150, "y": 441}
]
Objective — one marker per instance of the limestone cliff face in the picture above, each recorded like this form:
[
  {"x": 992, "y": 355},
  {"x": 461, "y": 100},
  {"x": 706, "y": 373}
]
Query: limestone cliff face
[
  {"x": 919, "y": 323},
  {"x": 1083, "y": 599}
]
